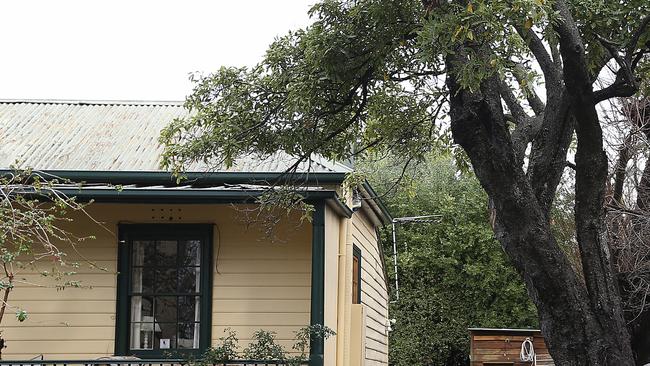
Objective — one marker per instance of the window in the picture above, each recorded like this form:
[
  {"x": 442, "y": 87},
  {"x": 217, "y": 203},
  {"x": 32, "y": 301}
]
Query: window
[
  {"x": 356, "y": 275},
  {"x": 164, "y": 289}
]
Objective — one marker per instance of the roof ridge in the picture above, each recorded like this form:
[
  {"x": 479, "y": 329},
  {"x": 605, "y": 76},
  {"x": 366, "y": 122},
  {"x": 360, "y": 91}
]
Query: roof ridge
[{"x": 94, "y": 102}]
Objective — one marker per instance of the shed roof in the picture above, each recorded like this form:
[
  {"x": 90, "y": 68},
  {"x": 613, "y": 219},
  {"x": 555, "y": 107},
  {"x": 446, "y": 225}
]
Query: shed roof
[
  {"x": 108, "y": 136},
  {"x": 504, "y": 330}
]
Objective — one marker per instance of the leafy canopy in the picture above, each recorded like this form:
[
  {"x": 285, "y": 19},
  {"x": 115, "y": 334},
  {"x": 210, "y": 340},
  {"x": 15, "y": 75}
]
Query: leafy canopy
[{"x": 367, "y": 76}]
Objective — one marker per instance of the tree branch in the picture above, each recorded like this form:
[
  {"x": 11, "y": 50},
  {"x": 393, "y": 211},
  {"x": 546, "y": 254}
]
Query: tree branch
[
  {"x": 631, "y": 46},
  {"x": 520, "y": 116},
  {"x": 552, "y": 74},
  {"x": 620, "y": 168},
  {"x": 534, "y": 100},
  {"x": 396, "y": 75},
  {"x": 591, "y": 175},
  {"x": 625, "y": 84}
]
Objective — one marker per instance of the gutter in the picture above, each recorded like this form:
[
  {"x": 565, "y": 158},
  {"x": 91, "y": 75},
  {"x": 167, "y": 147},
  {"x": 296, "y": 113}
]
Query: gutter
[
  {"x": 190, "y": 196},
  {"x": 379, "y": 209},
  {"x": 197, "y": 179}
]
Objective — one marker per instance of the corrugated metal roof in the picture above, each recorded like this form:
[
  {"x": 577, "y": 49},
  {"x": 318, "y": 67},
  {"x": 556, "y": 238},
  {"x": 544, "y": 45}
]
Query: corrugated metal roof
[{"x": 107, "y": 136}]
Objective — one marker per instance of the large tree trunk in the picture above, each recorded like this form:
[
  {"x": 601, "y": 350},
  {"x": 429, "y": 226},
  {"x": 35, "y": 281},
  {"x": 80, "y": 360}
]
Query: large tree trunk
[{"x": 582, "y": 324}]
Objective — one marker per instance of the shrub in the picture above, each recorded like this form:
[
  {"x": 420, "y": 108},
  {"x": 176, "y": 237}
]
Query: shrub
[{"x": 226, "y": 350}]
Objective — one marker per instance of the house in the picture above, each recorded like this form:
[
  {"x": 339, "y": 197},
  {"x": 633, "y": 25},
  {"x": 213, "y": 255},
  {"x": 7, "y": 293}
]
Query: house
[
  {"x": 505, "y": 347},
  {"x": 182, "y": 263}
]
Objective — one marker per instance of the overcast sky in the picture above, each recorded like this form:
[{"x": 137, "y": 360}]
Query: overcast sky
[{"x": 132, "y": 49}]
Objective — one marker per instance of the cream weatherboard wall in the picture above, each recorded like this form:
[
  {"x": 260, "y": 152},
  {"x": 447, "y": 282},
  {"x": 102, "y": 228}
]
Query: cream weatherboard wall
[
  {"x": 257, "y": 283},
  {"x": 374, "y": 292}
]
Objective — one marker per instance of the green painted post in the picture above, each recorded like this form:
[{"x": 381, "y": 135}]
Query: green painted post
[
  {"x": 122, "y": 313},
  {"x": 317, "y": 349}
]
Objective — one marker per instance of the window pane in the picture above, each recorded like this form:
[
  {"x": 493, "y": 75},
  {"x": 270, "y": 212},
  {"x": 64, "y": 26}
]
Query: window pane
[
  {"x": 188, "y": 335},
  {"x": 165, "y": 280},
  {"x": 165, "y": 336},
  {"x": 190, "y": 253},
  {"x": 142, "y": 280},
  {"x": 166, "y": 253},
  {"x": 143, "y": 253},
  {"x": 188, "y": 307},
  {"x": 164, "y": 288},
  {"x": 141, "y": 309},
  {"x": 165, "y": 310},
  {"x": 142, "y": 335},
  {"x": 188, "y": 279}
]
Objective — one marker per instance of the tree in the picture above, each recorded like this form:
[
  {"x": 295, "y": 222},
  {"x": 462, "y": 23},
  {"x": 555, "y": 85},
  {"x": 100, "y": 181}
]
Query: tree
[
  {"x": 628, "y": 215},
  {"x": 33, "y": 237},
  {"x": 386, "y": 76},
  {"x": 452, "y": 272}
]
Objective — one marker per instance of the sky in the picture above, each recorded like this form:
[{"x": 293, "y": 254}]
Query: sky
[{"x": 132, "y": 49}]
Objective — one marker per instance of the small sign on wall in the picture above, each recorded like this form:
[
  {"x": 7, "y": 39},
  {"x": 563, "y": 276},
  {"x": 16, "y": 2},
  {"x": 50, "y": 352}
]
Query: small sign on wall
[{"x": 164, "y": 343}]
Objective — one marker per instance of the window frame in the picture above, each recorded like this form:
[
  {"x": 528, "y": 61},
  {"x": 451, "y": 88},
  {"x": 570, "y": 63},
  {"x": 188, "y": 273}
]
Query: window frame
[
  {"x": 127, "y": 234},
  {"x": 356, "y": 253}
]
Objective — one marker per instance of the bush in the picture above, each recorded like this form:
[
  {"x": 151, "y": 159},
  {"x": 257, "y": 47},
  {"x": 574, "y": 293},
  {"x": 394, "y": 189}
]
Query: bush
[
  {"x": 263, "y": 347},
  {"x": 227, "y": 350}
]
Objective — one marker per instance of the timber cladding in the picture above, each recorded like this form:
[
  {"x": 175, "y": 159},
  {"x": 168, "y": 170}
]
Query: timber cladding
[
  {"x": 502, "y": 347},
  {"x": 373, "y": 290},
  {"x": 256, "y": 284}
]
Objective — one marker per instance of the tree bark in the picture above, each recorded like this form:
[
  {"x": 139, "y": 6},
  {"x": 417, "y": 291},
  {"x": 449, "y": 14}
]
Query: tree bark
[
  {"x": 573, "y": 324},
  {"x": 591, "y": 176}
]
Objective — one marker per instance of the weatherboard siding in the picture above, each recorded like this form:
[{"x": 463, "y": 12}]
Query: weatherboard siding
[
  {"x": 69, "y": 323},
  {"x": 257, "y": 284},
  {"x": 374, "y": 293},
  {"x": 261, "y": 284}
]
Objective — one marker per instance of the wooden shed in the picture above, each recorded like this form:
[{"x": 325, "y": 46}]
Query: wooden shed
[{"x": 502, "y": 347}]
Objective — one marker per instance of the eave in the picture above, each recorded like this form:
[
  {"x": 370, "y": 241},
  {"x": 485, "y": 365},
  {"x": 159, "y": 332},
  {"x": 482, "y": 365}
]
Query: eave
[
  {"x": 187, "y": 195},
  {"x": 197, "y": 179}
]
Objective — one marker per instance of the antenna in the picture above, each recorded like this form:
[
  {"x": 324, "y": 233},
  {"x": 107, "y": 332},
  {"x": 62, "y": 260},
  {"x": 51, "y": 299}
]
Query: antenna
[{"x": 402, "y": 220}]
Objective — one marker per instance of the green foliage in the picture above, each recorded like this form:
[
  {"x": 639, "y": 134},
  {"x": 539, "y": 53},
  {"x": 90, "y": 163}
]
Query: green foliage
[
  {"x": 307, "y": 334},
  {"x": 368, "y": 76},
  {"x": 21, "y": 315},
  {"x": 264, "y": 347},
  {"x": 226, "y": 350},
  {"x": 453, "y": 273},
  {"x": 32, "y": 214},
  {"x": 611, "y": 21},
  {"x": 365, "y": 76},
  {"x": 315, "y": 91}
]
